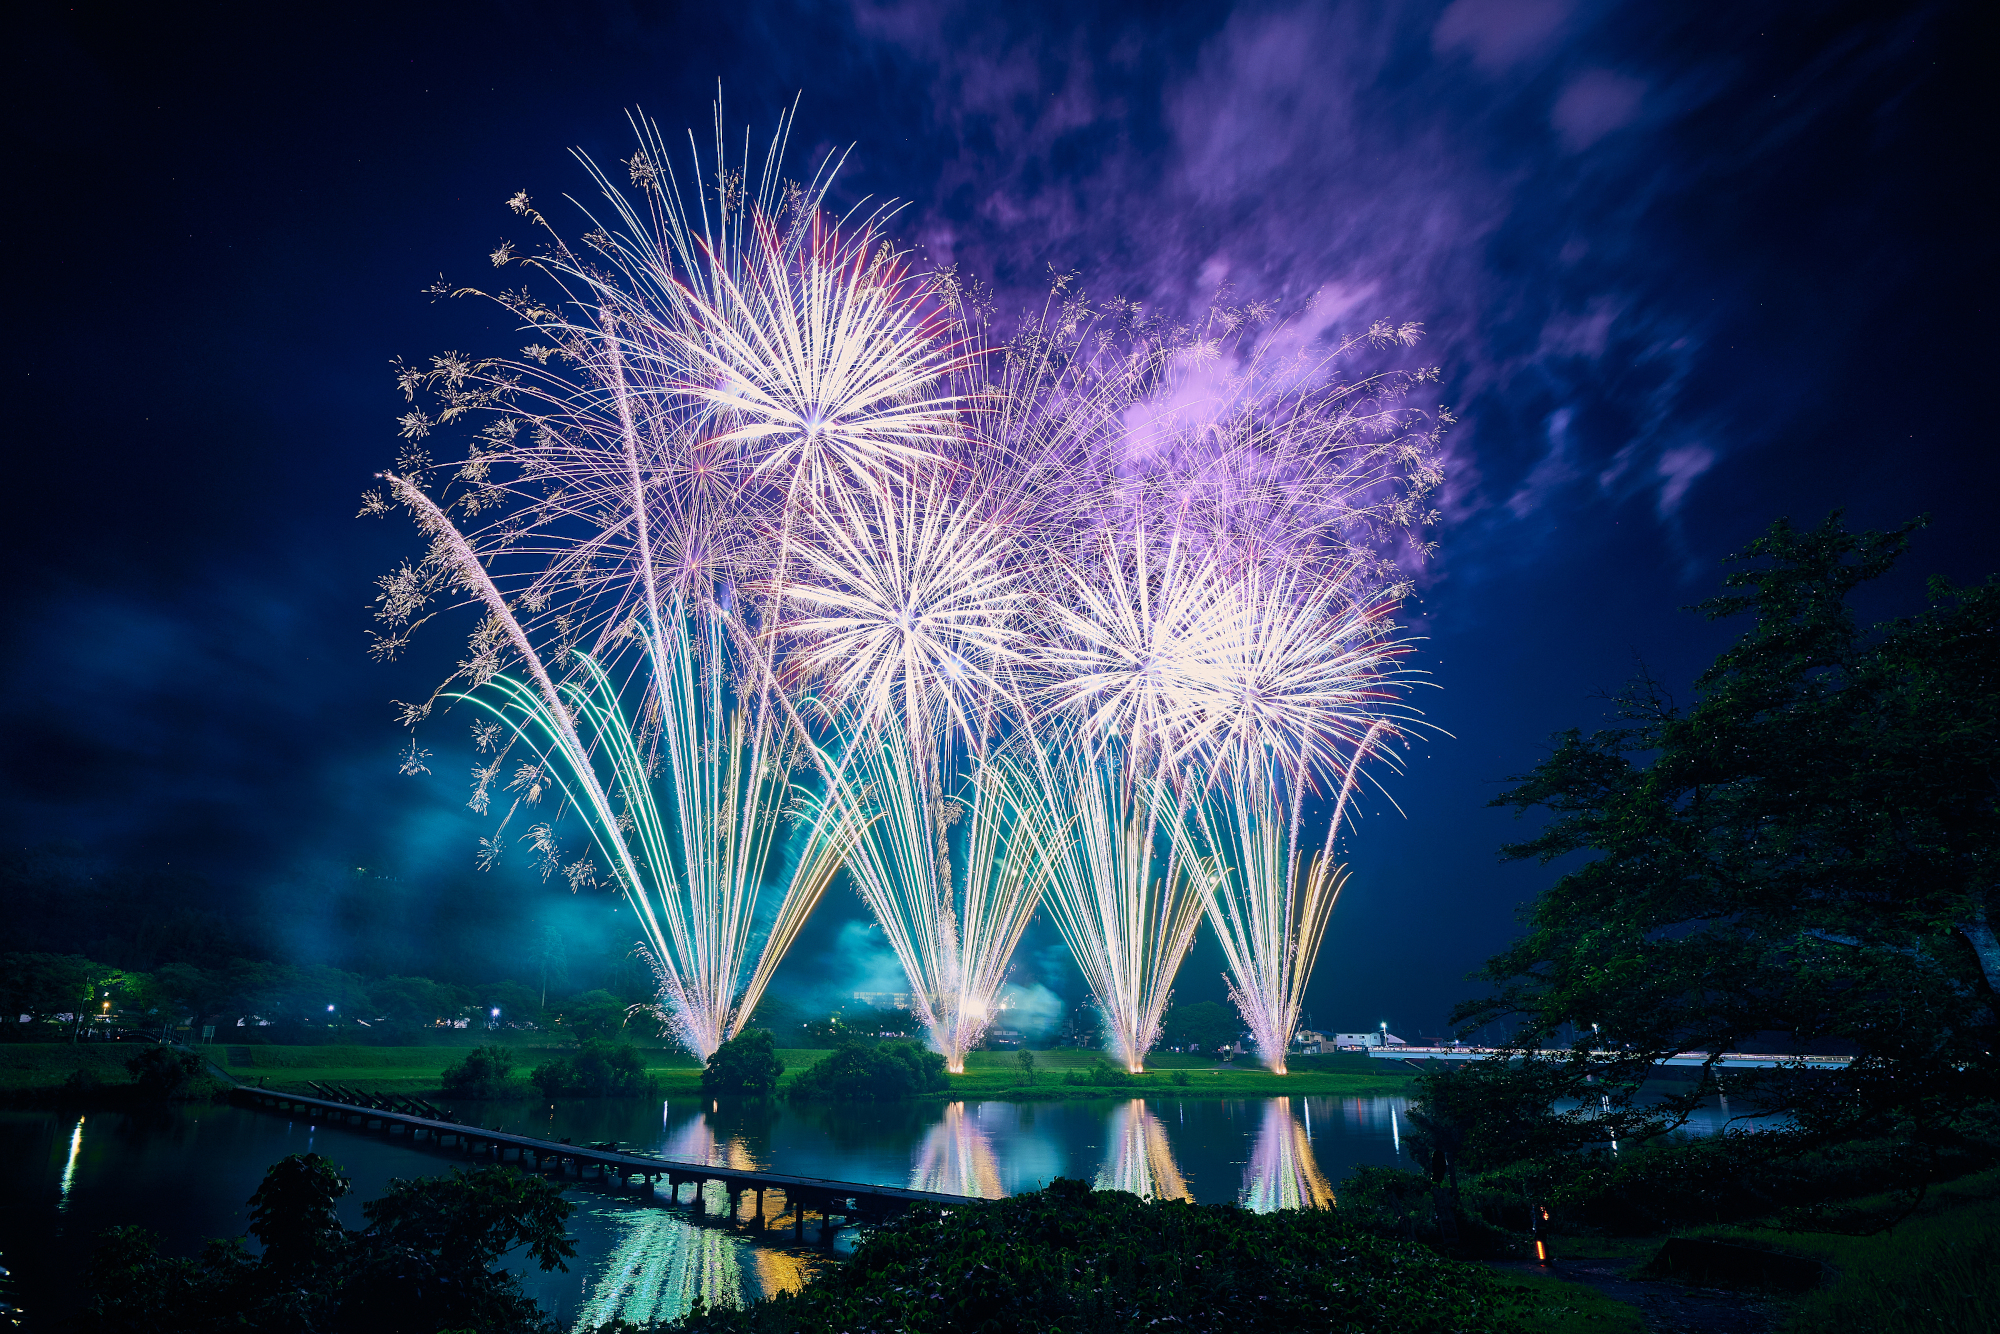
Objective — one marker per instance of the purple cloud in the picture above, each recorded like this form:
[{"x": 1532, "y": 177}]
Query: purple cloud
[
  {"x": 1595, "y": 103},
  {"x": 1498, "y": 34}
]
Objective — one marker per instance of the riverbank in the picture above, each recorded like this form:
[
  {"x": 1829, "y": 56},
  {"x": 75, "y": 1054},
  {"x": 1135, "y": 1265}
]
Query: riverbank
[{"x": 39, "y": 1073}]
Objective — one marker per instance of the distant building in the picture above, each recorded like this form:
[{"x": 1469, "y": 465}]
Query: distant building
[
  {"x": 885, "y": 1000},
  {"x": 1003, "y": 1039},
  {"x": 1363, "y": 1041}
]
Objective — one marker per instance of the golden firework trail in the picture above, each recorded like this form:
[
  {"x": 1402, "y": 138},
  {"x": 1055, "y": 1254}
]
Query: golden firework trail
[{"x": 1124, "y": 899}]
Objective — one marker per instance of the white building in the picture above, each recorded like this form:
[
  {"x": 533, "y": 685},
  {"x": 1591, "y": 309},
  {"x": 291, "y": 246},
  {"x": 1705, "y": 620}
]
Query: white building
[{"x": 1359, "y": 1041}]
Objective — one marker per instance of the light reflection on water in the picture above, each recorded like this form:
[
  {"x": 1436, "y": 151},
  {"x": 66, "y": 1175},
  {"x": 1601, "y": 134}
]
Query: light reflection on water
[{"x": 69, "y": 1168}]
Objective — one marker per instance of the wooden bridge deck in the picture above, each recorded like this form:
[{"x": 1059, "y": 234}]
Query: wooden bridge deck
[{"x": 850, "y": 1200}]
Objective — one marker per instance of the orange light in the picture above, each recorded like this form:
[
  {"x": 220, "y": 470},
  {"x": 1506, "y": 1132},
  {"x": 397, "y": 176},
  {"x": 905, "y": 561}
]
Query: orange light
[{"x": 1541, "y": 1250}]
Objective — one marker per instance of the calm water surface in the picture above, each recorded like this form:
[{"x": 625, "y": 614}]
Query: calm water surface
[{"x": 186, "y": 1173}]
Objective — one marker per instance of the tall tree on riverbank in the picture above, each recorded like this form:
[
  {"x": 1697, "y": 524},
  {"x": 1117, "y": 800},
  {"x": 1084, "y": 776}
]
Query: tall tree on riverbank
[{"x": 1807, "y": 853}]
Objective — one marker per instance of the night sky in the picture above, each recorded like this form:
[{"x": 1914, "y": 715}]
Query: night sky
[{"x": 1686, "y": 268}]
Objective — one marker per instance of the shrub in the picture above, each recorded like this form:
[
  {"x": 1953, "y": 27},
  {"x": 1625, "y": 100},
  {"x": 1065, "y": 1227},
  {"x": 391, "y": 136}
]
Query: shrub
[
  {"x": 747, "y": 1063},
  {"x": 595, "y": 1069},
  {"x": 865, "y": 1073},
  {"x": 1074, "y": 1259},
  {"x": 431, "y": 1258},
  {"x": 484, "y": 1073},
  {"x": 162, "y": 1073},
  {"x": 1103, "y": 1074}
]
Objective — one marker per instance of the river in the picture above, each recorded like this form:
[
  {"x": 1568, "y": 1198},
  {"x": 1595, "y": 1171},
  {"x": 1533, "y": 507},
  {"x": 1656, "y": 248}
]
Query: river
[{"x": 187, "y": 1171}]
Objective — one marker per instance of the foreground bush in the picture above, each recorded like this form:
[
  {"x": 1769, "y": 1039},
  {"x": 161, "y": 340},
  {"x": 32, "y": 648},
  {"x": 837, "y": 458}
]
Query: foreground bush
[
  {"x": 858, "y": 1072},
  {"x": 482, "y": 1074},
  {"x": 1072, "y": 1259},
  {"x": 428, "y": 1261},
  {"x": 747, "y": 1063},
  {"x": 595, "y": 1069}
]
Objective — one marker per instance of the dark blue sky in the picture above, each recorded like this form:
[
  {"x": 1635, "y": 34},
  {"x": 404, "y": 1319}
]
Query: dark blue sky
[{"x": 1686, "y": 268}]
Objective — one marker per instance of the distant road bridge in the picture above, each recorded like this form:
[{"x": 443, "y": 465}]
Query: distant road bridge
[
  {"x": 390, "y": 1114},
  {"x": 1729, "y": 1060}
]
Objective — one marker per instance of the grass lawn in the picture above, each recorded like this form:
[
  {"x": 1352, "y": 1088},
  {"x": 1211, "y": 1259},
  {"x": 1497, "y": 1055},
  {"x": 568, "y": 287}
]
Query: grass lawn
[
  {"x": 998, "y": 1074},
  {"x": 1937, "y": 1272},
  {"x": 1548, "y": 1305}
]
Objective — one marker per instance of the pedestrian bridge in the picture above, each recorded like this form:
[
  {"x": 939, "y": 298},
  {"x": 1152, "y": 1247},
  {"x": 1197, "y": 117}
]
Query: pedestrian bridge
[{"x": 390, "y": 1114}]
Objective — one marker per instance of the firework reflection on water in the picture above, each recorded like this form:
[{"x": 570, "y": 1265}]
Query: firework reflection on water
[
  {"x": 1282, "y": 1172},
  {"x": 1140, "y": 1159},
  {"x": 956, "y": 1157}
]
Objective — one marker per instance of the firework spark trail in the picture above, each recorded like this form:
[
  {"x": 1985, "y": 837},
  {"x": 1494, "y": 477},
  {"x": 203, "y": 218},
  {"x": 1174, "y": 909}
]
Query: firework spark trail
[
  {"x": 906, "y": 619},
  {"x": 1237, "y": 682},
  {"x": 1315, "y": 692},
  {"x": 1269, "y": 919},
  {"x": 694, "y": 883},
  {"x": 1129, "y": 922},
  {"x": 1144, "y": 642},
  {"x": 951, "y": 907},
  {"x": 699, "y": 865},
  {"x": 908, "y": 606},
  {"x": 825, "y": 365}
]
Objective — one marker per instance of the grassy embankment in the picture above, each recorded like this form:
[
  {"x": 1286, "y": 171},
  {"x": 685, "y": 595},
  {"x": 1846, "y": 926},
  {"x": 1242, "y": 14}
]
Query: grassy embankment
[
  {"x": 417, "y": 1070},
  {"x": 84, "y": 1073}
]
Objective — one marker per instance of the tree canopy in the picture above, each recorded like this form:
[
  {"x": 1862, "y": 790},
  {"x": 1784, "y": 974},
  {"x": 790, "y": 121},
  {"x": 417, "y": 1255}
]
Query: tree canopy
[{"x": 748, "y": 1063}]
